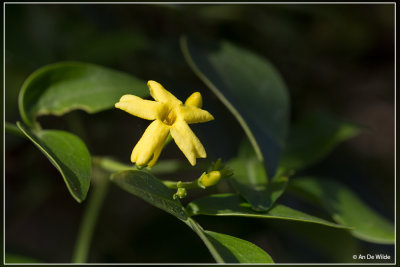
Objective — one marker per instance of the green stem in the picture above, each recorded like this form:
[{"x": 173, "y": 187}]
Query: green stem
[
  {"x": 200, "y": 232},
  {"x": 187, "y": 185},
  {"x": 111, "y": 165},
  {"x": 90, "y": 216},
  {"x": 13, "y": 129}
]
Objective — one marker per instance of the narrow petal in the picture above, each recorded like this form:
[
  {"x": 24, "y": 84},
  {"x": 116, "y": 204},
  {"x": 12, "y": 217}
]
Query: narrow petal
[
  {"x": 194, "y": 99},
  {"x": 145, "y": 109},
  {"x": 193, "y": 114},
  {"x": 153, "y": 137},
  {"x": 187, "y": 141},
  {"x": 156, "y": 155},
  {"x": 159, "y": 93}
]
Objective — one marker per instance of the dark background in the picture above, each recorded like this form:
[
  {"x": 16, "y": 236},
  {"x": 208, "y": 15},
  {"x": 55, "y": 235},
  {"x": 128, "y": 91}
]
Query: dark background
[{"x": 337, "y": 58}]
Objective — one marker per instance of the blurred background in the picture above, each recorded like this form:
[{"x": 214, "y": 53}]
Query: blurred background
[{"x": 337, "y": 58}]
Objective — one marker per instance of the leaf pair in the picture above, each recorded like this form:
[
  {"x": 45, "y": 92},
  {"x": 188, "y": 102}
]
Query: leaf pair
[{"x": 59, "y": 88}]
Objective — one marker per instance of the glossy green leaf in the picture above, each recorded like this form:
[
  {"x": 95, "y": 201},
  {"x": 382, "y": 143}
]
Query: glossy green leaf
[
  {"x": 250, "y": 180},
  {"x": 68, "y": 154},
  {"x": 251, "y": 88},
  {"x": 206, "y": 240},
  {"x": 233, "y": 205},
  {"x": 229, "y": 249},
  {"x": 236, "y": 250},
  {"x": 147, "y": 187},
  {"x": 345, "y": 208},
  {"x": 59, "y": 88},
  {"x": 313, "y": 137}
]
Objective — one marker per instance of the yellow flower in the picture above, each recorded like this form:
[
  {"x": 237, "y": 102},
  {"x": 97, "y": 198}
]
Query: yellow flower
[{"x": 170, "y": 115}]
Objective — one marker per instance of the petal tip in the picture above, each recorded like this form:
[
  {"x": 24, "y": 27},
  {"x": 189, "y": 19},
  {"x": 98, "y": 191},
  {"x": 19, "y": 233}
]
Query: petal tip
[
  {"x": 151, "y": 83},
  {"x": 118, "y": 105}
]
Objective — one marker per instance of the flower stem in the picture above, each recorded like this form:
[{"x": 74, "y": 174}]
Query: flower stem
[
  {"x": 187, "y": 185},
  {"x": 91, "y": 213},
  {"x": 112, "y": 165}
]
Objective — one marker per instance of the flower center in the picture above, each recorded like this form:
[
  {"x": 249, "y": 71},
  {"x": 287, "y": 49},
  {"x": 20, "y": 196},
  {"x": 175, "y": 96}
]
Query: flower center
[{"x": 170, "y": 118}]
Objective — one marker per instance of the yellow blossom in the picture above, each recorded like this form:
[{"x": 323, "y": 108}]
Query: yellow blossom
[{"x": 169, "y": 115}]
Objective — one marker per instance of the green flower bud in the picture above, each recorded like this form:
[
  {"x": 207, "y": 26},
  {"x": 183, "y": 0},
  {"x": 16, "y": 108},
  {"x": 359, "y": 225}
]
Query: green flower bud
[{"x": 180, "y": 193}]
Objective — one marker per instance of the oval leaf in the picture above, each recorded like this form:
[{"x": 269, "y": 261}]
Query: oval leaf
[
  {"x": 233, "y": 205},
  {"x": 144, "y": 185},
  {"x": 345, "y": 208},
  {"x": 251, "y": 88},
  {"x": 236, "y": 250},
  {"x": 59, "y": 88},
  {"x": 68, "y": 154},
  {"x": 229, "y": 249},
  {"x": 313, "y": 137}
]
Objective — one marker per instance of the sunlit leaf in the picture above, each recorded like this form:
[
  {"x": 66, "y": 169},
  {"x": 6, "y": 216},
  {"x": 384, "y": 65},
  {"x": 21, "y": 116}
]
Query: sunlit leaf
[
  {"x": 68, "y": 154},
  {"x": 233, "y": 205},
  {"x": 236, "y": 250},
  {"x": 345, "y": 208},
  {"x": 229, "y": 249},
  {"x": 59, "y": 88},
  {"x": 145, "y": 186}
]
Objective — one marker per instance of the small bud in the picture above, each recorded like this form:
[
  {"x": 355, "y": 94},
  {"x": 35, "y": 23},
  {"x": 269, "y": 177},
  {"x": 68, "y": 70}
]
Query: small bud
[
  {"x": 210, "y": 179},
  {"x": 181, "y": 193},
  {"x": 194, "y": 99}
]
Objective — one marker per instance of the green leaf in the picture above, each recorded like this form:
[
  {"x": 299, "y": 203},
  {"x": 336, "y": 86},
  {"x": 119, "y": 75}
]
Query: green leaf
[
  {"x": 233, "y": 205},
  {"x": 59, "y": 88},
  {"x": 345, "y": 208},
  {"x": 145, "y": 186},
  {"x": 236, "y": 250},
  {"x": 229, "y": 249},
  {"x": 68, "y": 154},
  {"x": 314, "y": 137},
  {"x": 250, "y": 180},
  {"x": 251, "y": 88}
]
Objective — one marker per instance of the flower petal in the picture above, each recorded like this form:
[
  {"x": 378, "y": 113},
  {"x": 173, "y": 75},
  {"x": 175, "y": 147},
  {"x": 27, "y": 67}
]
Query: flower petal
[
  {"x": 151, "y": 140},
  {"x": 187, "y": 141},
  {"x": 145, "y": 109},
  {"x": 159, "y": 93},
  {"x": 192, "y": 114},
  {"x": 156, "y": 155},
  {"x": 195, "y": 99}
]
